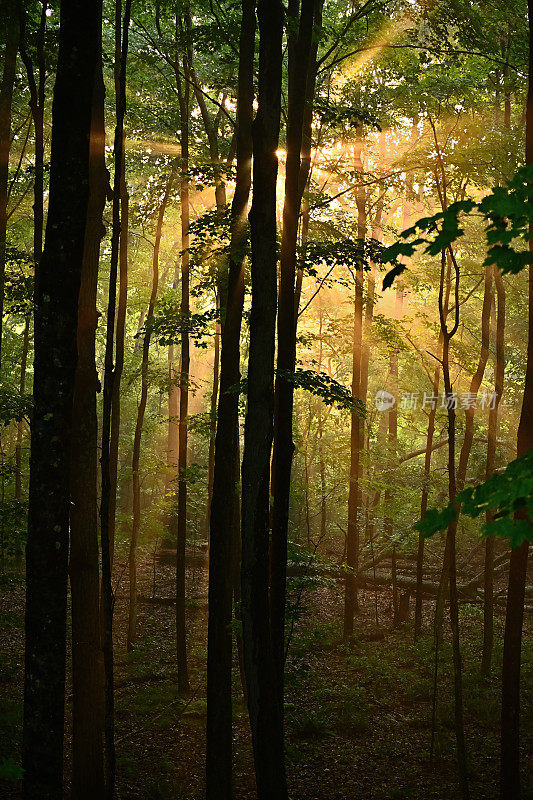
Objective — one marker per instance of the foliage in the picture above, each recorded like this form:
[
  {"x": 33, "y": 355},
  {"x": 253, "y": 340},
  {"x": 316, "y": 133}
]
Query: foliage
[
  {"x": 10, "y": 770},
  {"x": 13, "y": 406},
  {"x": 507, "y": 495},
  {"x": 508, "y": 214},
  {"x": 328, "y": 389},
  {"x": 168, "y": 322}
]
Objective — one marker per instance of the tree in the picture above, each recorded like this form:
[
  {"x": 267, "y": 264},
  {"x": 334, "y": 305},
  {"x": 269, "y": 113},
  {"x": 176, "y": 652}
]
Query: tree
[
  {"x": 9, "y": 19},
  {"x": 183, "y": 87},
  {"x": 300, "y": 68},
  {"x": 87, "y": 665},
  {"x": 510, "y": 734},
  {"x": 263, "y": 707},
  {"x": 106, "y": 503},
  {"x": 56, "y": 317},
  {"x": 148, "y": 320},
  {"x": 225, "y": 500}
]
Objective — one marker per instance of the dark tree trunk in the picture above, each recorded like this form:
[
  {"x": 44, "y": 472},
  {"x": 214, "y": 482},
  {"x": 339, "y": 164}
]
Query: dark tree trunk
[
  {"x": 37, "y": 97},
  {"x": 492, "y": 434},
  {"x": 259, "y": 662},
  {"x": 299, "y": 67},
  {"x": 121, "y": 54},
  {"x": 213, "y": 421},
  {"x": 424, "y": 503},
  {"x": 114, "y": 435},
  {"x": 181, "y": 521},
  {"x": 475, "y": 383},
  {"x": 356, "y": 428},
  {"x": 87, "y": 665},
  {"x": 136, "y": 523},
  {"x": 224, "y": 544},
  {"x": 450, "y": 549},
  {"x": 510, "y": 735},
  {"x": 11, "y": 38},
  {"x": 20, "y": 424},
  {"x": 56, "y": 318}
]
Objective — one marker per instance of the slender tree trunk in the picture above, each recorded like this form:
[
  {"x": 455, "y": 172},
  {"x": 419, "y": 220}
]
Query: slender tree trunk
[
  {"x": 37, "y": 98},
  {"x": 109, "y": 378},
  {"x": 388, "y": 525},
  {"x": 132, "y": 560},
  {"x": 87, "y": 665},
  {"x": 173, "y": 409},
  {"x": 119, "y": 348},
  {"x": 20, "y": 424},
  {"x": 354, "y": 493},
  {"x": 56, "y": 316},
  {"x": 424, "y": 501},
  {"x": 11, "y": 38},
  {"x": 181, "y": 522},
  {"x": 499, "y": 371},
  {"x": 451, "y": 567},
  {"x": 224, "y": 523},
  {"x": 299, "y": 65},
  {"x": 475, "y": 383},
  {"x": 259, "y": 658},
  {"x": 213, "y": 422},
  {"x": 510, "y": 734}
]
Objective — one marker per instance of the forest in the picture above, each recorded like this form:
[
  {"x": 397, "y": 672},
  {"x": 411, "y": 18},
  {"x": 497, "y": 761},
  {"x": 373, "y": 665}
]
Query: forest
[{"x": 266, "y": 399}]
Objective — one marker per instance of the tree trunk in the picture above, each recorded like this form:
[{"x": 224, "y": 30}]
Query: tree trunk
[
  {"x": 121, "y": 55},
  {"x": 354, "y": 493},
  {"x": 87, "y": 665},
  {"x": 224, "y": 528},
  {"x": 56, "y": 317},
  {"x": 213, "y": 421},
  {"x": 299, "y": 66},
  {"x": 181, "y": 522},
  {"x": 510, "y": 735},
  {"x": 450, "y": 549},
  {"x": 388, "y": 522},
  {"x": 20, "y": 424},
  {"x": 259, "y": 659},
  {"x": 475, "y": 383},
  {"x": 132, "y": 560},
  {"x": 499, "y": 370},
  {"x": 119, "y": 351},
  {"x": 37, "y": 98},
  {"x": 11, "y": 39},
  {"x": 424, "y": 502}
]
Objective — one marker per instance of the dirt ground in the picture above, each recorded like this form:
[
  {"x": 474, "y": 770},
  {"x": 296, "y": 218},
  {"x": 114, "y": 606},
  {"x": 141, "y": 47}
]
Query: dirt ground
[{"x": 358, "y": 717}]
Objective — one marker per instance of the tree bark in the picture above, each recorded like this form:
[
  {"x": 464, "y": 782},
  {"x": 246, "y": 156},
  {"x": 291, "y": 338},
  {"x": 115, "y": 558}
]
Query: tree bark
[
  {"x": 56, "y": 317},
  {"x": 132, "y": 560},
  {"x": 512, "y": 646},
  {"x": 181, "y": 521},
  {"x": 450, "y": 548},
  {"x": 37, "y": 99},
  {"x": 224, "y": 532},
  {"x": 121, "y": 55},
  {"x": 119, "y": 347},
  {"x": 20, "y": 424},
  {"x": 475, "y": 383},
  {"x": 424, "y": 503},
  {"x": 11, "y": 39},
  {"x": 87, "y": 665},
  {"x": 499, "y": 370},
  {"x": 213, "y": 421},
  {"x": 299, "y": 68},
  {"x": 354, "y": 493},
  {"x": 259, "y": 661}
]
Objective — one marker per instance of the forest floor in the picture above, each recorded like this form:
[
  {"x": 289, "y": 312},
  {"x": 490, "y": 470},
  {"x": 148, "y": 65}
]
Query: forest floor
[{"x": 358, "y": 717}]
